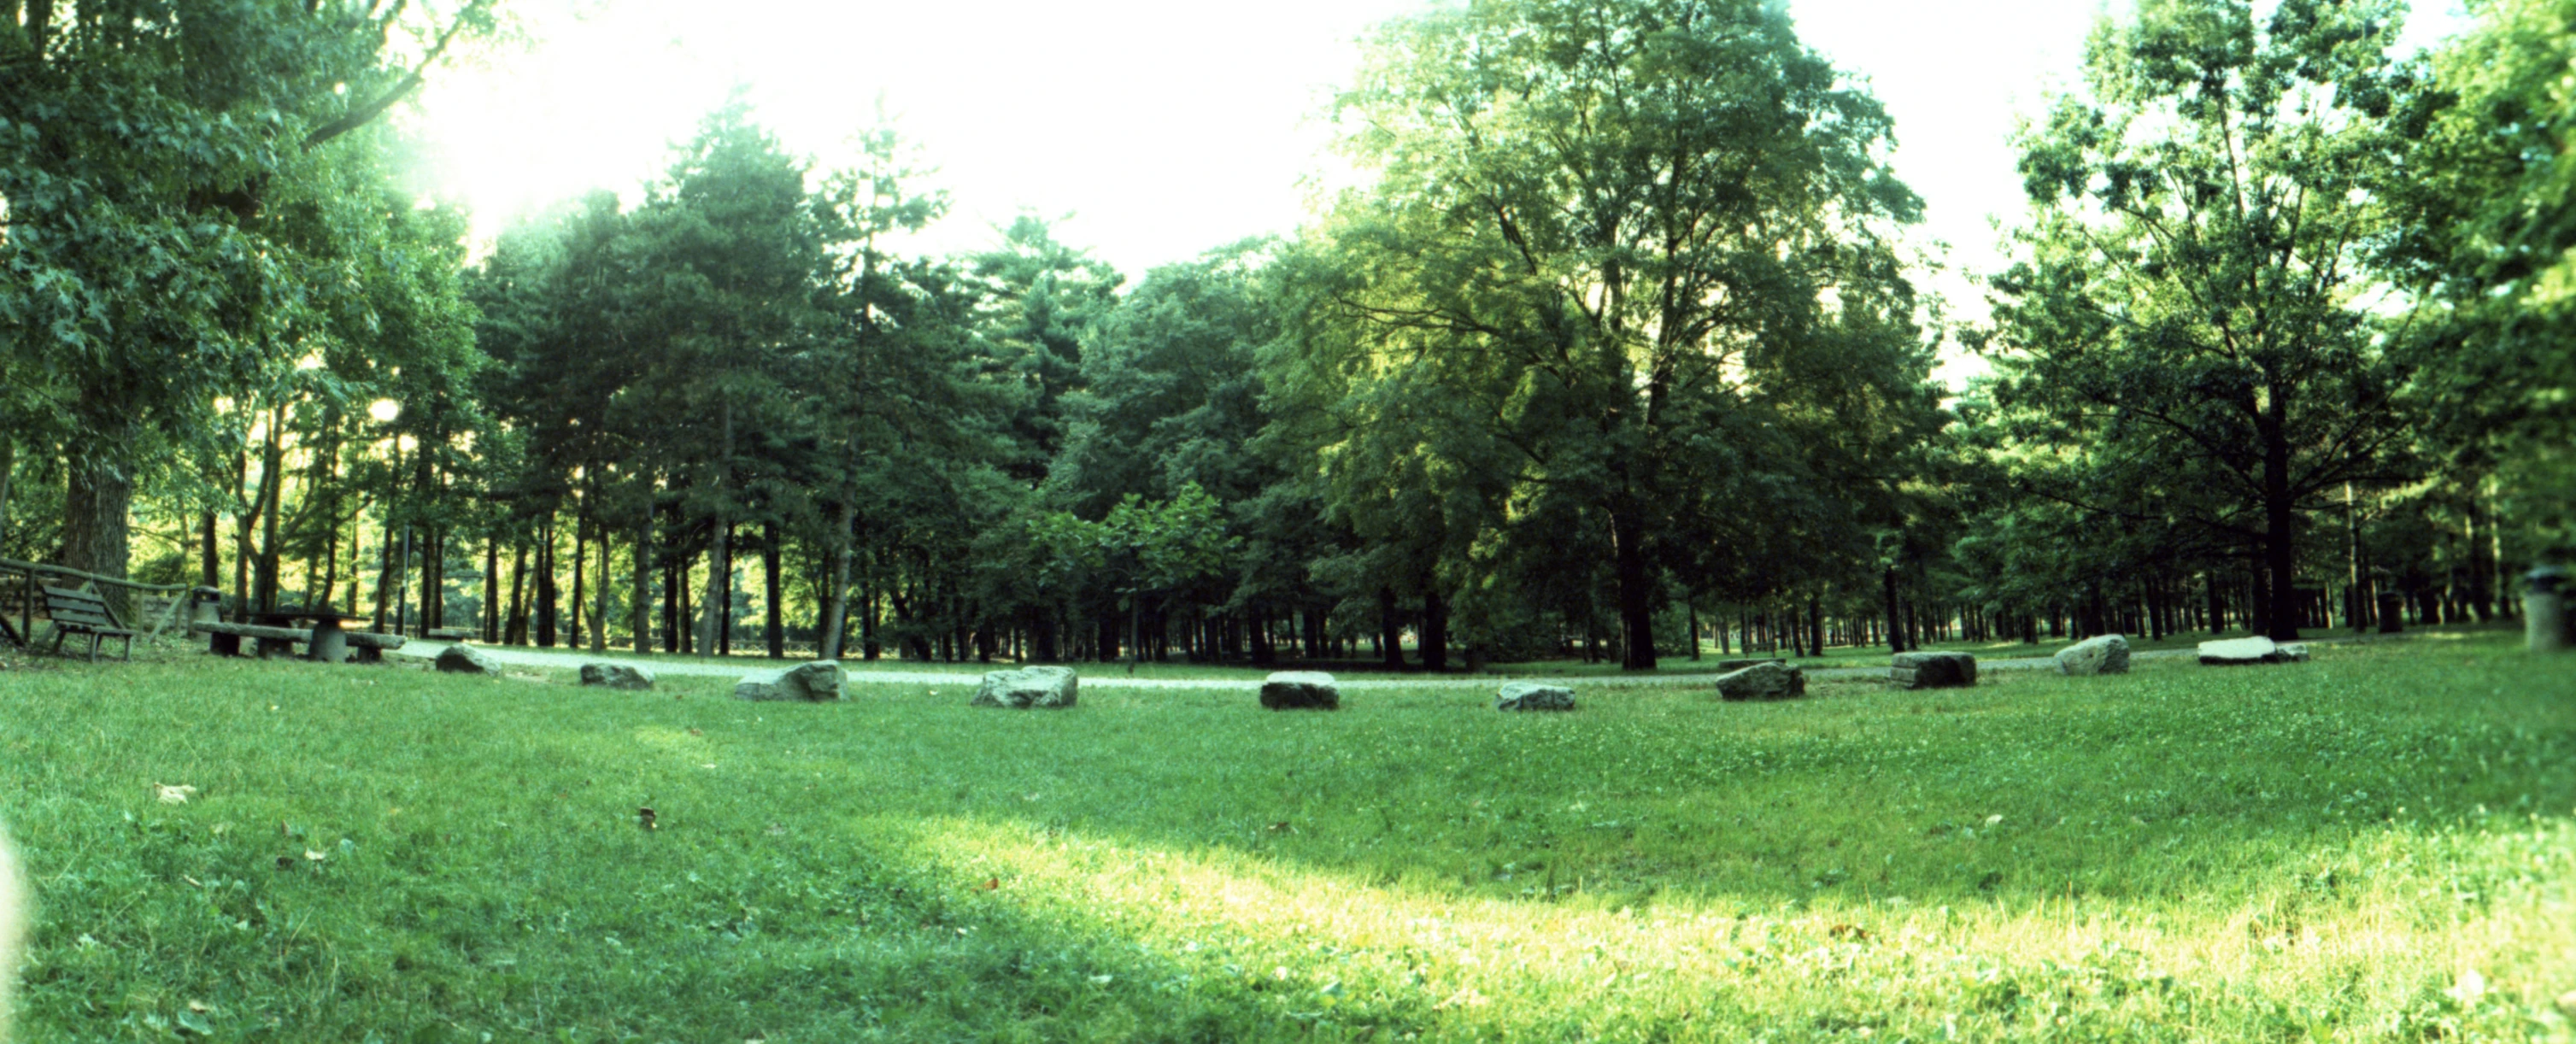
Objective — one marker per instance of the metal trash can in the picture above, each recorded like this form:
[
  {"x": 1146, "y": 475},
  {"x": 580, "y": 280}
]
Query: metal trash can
[
  {"x": 205, "y": 605},
  {"x": 2392, "y": 612},
  {"x": 2544, "y": 609}
]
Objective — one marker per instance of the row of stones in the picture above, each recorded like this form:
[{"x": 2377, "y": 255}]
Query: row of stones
[{"x": 1775, "y": 679}]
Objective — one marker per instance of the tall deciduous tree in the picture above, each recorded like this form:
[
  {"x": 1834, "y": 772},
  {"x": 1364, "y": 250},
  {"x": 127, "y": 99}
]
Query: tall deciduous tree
[
  {"x": 1596, "y": 232},
  {"x": 142, "y": 143},
  {"x": 2490, "y": 208},
  {"x": 2189, "y": 296}
]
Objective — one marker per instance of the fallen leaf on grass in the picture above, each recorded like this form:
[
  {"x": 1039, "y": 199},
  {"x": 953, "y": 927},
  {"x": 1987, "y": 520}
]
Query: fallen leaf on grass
[
  {"x": 644, "y": 818},
  {"x": 1852, "y": 932},
  {"x": 177, "y": 795},
  {"x": 1280, "y": 826},
  {"x": 314, "y": 856},
  {"x": 990, "y": 884},
  {"x": 695, "y": 732}
]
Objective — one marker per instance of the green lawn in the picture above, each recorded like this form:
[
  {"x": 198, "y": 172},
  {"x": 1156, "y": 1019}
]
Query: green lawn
[{"x": 2374, "y": 845}]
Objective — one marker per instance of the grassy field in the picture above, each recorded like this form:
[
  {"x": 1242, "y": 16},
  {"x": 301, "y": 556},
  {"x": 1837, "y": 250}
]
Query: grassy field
[{"x": 2376, "y": 845}]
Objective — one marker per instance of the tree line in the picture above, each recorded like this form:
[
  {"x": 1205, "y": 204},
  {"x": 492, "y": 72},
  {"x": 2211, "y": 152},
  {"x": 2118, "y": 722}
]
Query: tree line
[{"x": 1616, "y": 350}]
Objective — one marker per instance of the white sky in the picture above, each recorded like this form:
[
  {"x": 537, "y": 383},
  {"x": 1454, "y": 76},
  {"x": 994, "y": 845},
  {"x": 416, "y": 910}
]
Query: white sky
[{"x": 1163, "y": 127}]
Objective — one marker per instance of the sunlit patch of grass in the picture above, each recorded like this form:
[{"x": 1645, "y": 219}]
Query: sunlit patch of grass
[{"x": 2373, "y": 845}]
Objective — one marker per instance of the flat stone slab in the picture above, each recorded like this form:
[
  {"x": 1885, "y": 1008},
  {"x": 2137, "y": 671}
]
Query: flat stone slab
[
  {"x": 813, "y": 682},
  {"x": 457, "y": 659},
  {"x": 1764, "y": 680},
  {"x": 617, "y": 676},
  {"x": 1725, "y": 666},
  {"x": 1932, "y": 670},
  {"x": 1533, "y": 696},
  {"x": 1300, "y": 690},
  {"x": 2106, "y": 654},
  {"x": 1045, "y": 688},
  {"x": 2239, "y": 652}
]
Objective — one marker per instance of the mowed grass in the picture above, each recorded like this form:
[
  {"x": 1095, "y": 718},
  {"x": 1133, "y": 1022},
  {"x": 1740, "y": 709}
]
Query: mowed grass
[{"x": 2374, "y": 845}]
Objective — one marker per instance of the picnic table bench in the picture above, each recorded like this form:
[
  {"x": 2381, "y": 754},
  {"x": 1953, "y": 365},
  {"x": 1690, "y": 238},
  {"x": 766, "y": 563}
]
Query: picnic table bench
[{"x": 83, "y": 612}]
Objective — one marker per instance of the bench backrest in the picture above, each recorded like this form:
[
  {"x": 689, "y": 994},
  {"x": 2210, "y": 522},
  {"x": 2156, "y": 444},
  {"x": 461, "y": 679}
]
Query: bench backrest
[{"x": 79, "y": 608}]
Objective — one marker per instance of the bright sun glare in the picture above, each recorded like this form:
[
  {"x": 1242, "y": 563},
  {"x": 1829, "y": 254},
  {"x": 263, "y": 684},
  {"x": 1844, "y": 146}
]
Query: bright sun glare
[{"x": 1161, "y": 127}]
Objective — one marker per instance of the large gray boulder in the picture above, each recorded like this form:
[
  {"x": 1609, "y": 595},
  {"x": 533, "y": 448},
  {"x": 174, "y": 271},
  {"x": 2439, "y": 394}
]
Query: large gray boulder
[
  {"x": 1932, "y": 670},
  {"x": 1300, "y": 690},
  {"x": 1768, "y": 680},
  {"x": 812, "y": 682},
  {"x": 2107, "y": 654},
  {"x": 1532, "y": 696},
  {"x": 2237, "y": 652},
  {"x": 617, "y": 676},
  {"x": 1045, "y": 688},
  {"x": 458, "y": 659}
]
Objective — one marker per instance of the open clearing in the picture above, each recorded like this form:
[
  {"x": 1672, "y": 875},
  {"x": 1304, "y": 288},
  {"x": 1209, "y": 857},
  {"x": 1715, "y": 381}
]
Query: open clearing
[{"x": 2373, "y": 845}]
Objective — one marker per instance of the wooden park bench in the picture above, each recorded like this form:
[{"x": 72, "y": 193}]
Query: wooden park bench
[{"x": 83, "y": 612}]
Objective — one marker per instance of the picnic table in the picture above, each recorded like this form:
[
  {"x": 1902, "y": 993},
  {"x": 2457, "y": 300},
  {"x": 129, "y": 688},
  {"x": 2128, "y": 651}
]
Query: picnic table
[{"x": 278, "y": 631}]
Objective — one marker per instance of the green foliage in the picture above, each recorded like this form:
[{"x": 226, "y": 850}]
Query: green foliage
[
  {"x": 2491, "y": 224},
  {"x": 1614, "y": 262},
  {"x": 1150, "y": 546},
  {"x": 179, "y": 228},
  {"x": 2184, "y": 340}
]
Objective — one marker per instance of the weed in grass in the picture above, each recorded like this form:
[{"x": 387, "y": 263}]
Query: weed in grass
[{"x": 2373, "y": 845}]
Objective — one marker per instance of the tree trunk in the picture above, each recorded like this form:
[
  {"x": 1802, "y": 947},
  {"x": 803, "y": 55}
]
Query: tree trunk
[
  {"x": 2280, "y": 522},
  {"x": 1390, "y": 636},
  {"x": 272, "y": 480},
  {"x": 1636, "y": 591},
  {"x": 97, "y": 500},
  {"x": 9, "y": 467},
  {"x": 1435, "y": 632},
  {"x": 771, "y": 589},
  {"x": 1895, "y": 621},
  {"x": 491, "y": 589},
  {"x": 836, "y": 596},
  {"x": 402, "y": 586},
  {"x": 433, "y": 579},
  {"x": 639, "y": 615},
  {"x": 601, "y": 583},
  {"x": 515, "y": 629},
  {"x": 210, "y": 572},
  {"x": 580, "y": 572},
  {"x": 384, "y": 577},
  {"x": 725, "y": 612},
  {"x": 547, "y": 602},
  {"x": 712, "y": 607}
]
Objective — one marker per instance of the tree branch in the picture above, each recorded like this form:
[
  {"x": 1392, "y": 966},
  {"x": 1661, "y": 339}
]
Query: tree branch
[{"x": 410, "y": 81}]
